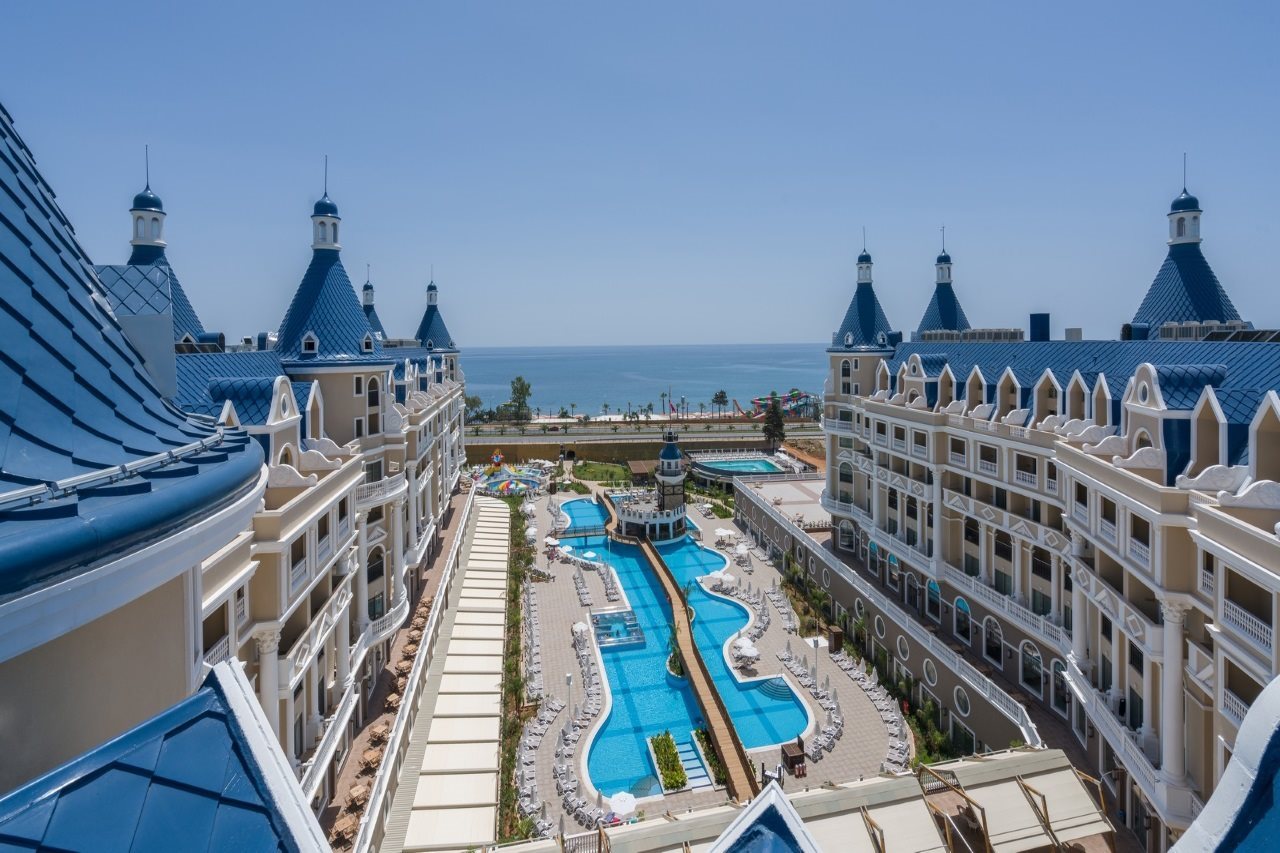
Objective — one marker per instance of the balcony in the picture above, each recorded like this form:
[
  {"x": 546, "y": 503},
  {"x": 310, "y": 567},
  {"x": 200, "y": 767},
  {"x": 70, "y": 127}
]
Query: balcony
[
  {"x": 1200, "y": 666},
  {"x": 957, "y": 459},
  {"x": 1233, "y": 707},
  {"x": 882, "y": 439},
  {"x": 1080, "y": 512},
  {"x": 1140, "y": 551},
  {"x": 372, "y": 494},
  {"x": 297, "y": 573},
  {"x": 1206, "y": 583},
  {"x": 1257, "y": 631},
  {"x": 1051, "y": 485},
  {"x": 1026, "y": 478},
  {"x": 218, "y": 652},
  {"x": 295, "y": 663},
  {"x": 836, "y": 425},
  {"x": 899, "y": 444},
  {"x": 921, "y": 450},
  {"x": 985, "y": 467},
  {"x": 312, "y": 772},
  {"x": 242, "y": 612},
  {"x": 1042, "y": 626},
  {"x": 831, "y": 504},
  {"x": 1107, "y": 531}
]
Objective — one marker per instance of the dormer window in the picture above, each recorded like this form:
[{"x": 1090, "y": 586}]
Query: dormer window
[
  {"x": 367, "y": 345},
  {"x": 431, "y": 344},
  {"x": 848, "y": 339},
  {"x": 310, "y": 344}
]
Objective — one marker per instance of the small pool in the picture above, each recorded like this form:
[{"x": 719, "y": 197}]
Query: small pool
[
  {"x": 617, "y": 628},
  {"x": 583, "y": 513},
  {"x": 758, "y": 465}
]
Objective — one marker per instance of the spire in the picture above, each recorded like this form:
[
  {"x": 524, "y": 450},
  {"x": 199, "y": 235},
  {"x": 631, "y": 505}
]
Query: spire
[
  {"x": 432, "y": 332},
  {"x": 147, "y": 214},
  {"x": 325, "y": 219},
  {"x": 944, "y": 312},
  {"x": 1185, "y": 289},
  {"x": 371, "y": 313},
  {"x": 865, "y": 325}
]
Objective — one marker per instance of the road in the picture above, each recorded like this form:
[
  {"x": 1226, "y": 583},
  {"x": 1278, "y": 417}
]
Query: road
[{"x": 578, "y": 435}]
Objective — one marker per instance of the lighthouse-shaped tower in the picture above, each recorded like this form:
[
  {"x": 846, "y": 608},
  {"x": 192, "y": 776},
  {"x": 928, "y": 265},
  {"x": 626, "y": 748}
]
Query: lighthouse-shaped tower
[{"x": 670, "y": 474}]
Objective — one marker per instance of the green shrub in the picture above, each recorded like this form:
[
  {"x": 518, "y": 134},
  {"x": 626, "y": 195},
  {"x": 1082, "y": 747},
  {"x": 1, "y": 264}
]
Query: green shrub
[
  {"x": 669, "y": 766},
  {"x": 718, "y": 774}
]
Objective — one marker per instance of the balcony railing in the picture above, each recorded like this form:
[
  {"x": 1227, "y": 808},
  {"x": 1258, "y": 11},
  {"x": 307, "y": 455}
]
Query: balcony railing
[
  {"x": 1258, "y": 632},
  {"x": 881, "y": 438},
  {"x": 1026, "y": 478},
  {"x": 957, "y": 459},
  {"x": 1200, "y": 667},
  {"x": 986, "y": 467},
  {"x": 1080, "y": 512},
  {"x": 837, "y": 425},
  {"x": 1206, "y": 583},
  {"x": 1042, "y": 626},
  {"x": 921, "y": 450},
  {"x": 1107, "y": 530},
  {"x": 219, "y": 651},
  {"x": 369, "y": 494},
  {"x": 312, "y": 772},
  {"x": 1051, "y": 485},
  {"x": 242, "y": 612},
  {"x": 306, "y": 646},
  {"x": 297, "y": 573},
  {"x": 899, "y": 444},
  {"x": 1140, "y": 551},
  {"x": 1233, "y": 707},
  {"x": 831, "y": 504}
]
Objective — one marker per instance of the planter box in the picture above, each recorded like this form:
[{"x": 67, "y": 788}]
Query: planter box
[{"x": 653, "y": 759}]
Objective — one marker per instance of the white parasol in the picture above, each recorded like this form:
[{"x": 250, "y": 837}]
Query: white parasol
[
  {"x": 581, "y": 628},
  {"x": 623, "y": 803}
]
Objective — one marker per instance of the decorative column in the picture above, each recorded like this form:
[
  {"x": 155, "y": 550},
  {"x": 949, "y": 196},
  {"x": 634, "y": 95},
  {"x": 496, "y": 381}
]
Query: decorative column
[
  {"x": 268, "y": 643},
  {"x": 362, "y": 573},
  {"x": 986, "y": 568},
  {"x": 413, "y": 505},
  {"x": 1017, "y": 569},
  {"x": 1079, "y": 619},
  {"x": 342, "y": 650},
  {"x": 1172, "y": 729},
  {"x": 314, "y": 681},
  {"x": 1055, "y": 585},
  {"x": 937, "y": 518},
  {"x": 397, "y": 550},
  {"x": 288, "y": 728}
]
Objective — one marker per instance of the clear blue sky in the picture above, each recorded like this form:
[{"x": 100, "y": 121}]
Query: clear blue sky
[{"x": 669, "y": 171}]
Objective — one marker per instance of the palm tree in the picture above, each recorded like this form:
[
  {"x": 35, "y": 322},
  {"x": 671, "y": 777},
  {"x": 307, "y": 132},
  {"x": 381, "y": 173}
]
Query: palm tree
[
  {"x": 573, "y": 407},
  {"x": 605, "y": 409},
  {"x": 702, "y": 408},
  {"x": 663, "y": 397}
]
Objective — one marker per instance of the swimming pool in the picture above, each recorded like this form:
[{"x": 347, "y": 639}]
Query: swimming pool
[
  {"x": 645, "y": 701},
  {"x": 584, "y": 513},
  {"x": 758, "y": 465}
]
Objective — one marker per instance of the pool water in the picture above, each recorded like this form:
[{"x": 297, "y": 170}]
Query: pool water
[
  {"x": 584, "y": 513},
  {"x": 754, "y": 466},
  {"x": 645, "y": 701}
]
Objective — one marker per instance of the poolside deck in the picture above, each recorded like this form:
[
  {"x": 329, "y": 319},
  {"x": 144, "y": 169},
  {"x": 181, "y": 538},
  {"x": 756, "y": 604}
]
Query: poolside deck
[{"x": 856, "y": 756}]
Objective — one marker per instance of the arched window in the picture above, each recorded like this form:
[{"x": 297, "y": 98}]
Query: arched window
[
  {"x": 993, "y": 642},
  {"x": 139, "y": 228},
  {"x": 375, "y": 565},
  {"x": 335, "y": 232},
  {"x": 1030, "y": 674},
  {"x": 286, "y": 455},
  {"x": 933, "y": 600},
  {"x": 155, "y": 228},
  {"x": 372, "y": 395},
  {"x": 1182, "y": 226},
  {"x": 963, "y": 626},
  {"x": 324, "y": 233},
  {"x": 847, "y": 536},
  {"x": 844, "y": 367},
  {"x": 1143, "y": 439}
]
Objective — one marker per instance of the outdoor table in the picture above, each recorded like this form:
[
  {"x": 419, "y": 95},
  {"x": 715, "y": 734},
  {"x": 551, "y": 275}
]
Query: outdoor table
[
  {"x": 345, "y": 827},
  {"x": 358, "y": 795},
  {"x": 379, "y": 733}
]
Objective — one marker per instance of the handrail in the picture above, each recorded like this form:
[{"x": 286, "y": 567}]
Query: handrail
[
  {"x": 373, "y": 820},
  {"x": 996, "y": 695},
  {"x": 874, "y": 830},
  {"x": 1042, "y": 811},
  {"x": 958, "y": 791}
]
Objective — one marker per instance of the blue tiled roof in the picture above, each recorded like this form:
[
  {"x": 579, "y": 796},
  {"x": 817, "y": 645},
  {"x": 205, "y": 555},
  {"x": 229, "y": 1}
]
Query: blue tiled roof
[
  {"x": 196, "y": 371},
  {"x": 198, "y": 776},
  {"x": 326, "y": 305},
  {"x": 1185, "y": 289},
  {"x": 1182, "y": 384},
  {"x": 375, "y": 323},
  {"x": 432, "y": 332},
  {"x": 75, "y": 399},
  {"x": 864, "y": 322},
  {"x": 1248, "y": 365},
  {"x": 151, "y": 287},
  {"x": 250, "y": 395},
  {"x": 944, "y": 311}
]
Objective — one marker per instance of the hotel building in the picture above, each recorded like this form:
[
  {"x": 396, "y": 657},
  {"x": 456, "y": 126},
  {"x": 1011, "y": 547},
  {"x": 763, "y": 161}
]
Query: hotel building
[
  {"x": 1062, "y": 540},
  {"x": 169, "y": 504}
]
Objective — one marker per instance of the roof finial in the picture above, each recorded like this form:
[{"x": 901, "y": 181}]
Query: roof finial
[
  {"x": 367, "y": 276},
  {"x": 326, "y": 174},
  {"x": 864, "y": 238},
  {"x": 433, "y": 273},
  {"x": 1184, "y": 171},
  {"x": 944, "y": 239},
  {"x": 146, "y": 153}
]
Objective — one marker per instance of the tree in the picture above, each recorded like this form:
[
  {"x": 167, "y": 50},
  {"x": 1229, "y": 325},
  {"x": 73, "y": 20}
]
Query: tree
[
  {"x": 520, "y": 391},
  {"x": 702, "y": 408},
  {"x": 473, "y": 405},
  {"x": 721, "y": 399},
  {"x": 663, "y": 397},
  {"x": 775, "y": 431},
  {"x": 605, "y": 409}
]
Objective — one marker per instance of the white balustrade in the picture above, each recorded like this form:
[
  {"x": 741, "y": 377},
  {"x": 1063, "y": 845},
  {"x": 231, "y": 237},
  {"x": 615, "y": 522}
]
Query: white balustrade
[
  {"x": 1206, "y": 583},
  {"x": 1233, "y": 707},
  {"x": 1140, "y": 551},
  {"x": 369, "y": 494},
  {"x": 957, "y": 459},
  {"x": 1107, "y": 530},
  {"x": 986, "y": 467},
  {"x": 1257, "y": 631},
  {"x": 219, "y": 652},
  {"x": 1026, "y": 478}
]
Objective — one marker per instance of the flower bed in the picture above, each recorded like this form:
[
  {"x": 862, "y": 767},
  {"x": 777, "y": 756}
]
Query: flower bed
[{"x": 670, "y": 770}]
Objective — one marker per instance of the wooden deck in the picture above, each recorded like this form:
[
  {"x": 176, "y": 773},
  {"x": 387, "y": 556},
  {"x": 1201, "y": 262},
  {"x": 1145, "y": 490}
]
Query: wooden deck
[{"x": 739, "y": 770}]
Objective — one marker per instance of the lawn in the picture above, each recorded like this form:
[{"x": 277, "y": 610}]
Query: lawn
[{"x": 599, "y": 472}]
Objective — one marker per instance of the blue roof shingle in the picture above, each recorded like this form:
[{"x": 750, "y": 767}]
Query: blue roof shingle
[
  {"x": 1185, "y": 290},
  {"x": 326, "y": 305},
  {"x": 865, "y": 325},
  {"x": 944, "y": 312}
]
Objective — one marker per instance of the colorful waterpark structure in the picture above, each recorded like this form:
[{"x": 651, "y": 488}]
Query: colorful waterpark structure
[{"x": 794, "y": 402}]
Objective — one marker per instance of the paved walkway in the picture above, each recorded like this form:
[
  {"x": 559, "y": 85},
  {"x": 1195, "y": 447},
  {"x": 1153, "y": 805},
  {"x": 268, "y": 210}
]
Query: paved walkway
[{"x": 350, "y": 773}]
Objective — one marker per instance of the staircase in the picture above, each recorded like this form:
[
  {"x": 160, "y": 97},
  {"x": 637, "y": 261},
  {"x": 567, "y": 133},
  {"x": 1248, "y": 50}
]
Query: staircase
[{"x": 693, "y": 766}]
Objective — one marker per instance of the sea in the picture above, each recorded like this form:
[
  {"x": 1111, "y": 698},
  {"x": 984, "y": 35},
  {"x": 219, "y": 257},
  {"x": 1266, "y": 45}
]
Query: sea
[{"x": 622, "y": 376}]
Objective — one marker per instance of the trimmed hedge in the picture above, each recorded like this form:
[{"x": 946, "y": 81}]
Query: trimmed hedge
[{"x": 669, "y": 766}]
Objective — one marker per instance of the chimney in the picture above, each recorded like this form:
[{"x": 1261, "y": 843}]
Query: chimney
[{"x": 1039, "y": 327}]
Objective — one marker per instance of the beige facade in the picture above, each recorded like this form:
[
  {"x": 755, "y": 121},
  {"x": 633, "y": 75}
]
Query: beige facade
[{"x": 1045, "y": 545}]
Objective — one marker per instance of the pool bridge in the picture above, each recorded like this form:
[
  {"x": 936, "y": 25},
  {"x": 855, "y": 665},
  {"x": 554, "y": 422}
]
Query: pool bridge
[{"x": 739, "y": 770}]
